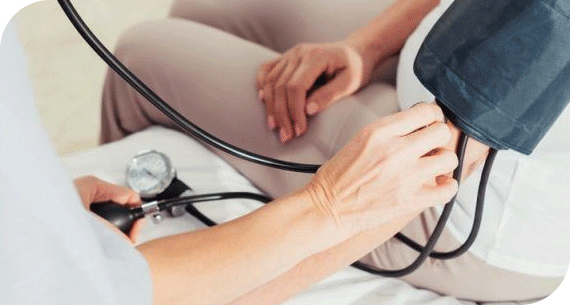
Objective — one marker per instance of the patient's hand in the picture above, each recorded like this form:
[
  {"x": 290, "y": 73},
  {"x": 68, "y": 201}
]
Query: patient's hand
[
  {"x": 287, "y": 84},
  {"x": 92, "y": 189}
]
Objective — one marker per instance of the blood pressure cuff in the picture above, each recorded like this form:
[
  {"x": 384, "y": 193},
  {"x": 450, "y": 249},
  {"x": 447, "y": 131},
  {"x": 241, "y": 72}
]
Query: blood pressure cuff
[{"x": 500, "y": 69}]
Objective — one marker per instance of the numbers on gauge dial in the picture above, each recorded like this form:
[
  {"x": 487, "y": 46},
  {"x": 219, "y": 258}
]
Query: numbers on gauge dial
[{"x": 148, "y": 172}]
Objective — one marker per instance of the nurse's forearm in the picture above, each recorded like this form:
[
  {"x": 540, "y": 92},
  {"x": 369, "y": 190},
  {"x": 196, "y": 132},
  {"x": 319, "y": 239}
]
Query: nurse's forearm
[
  {"x": 378, "y": 176},
  {"x": 217, "y": 265},
  {"x": 323, "y": 264},
  {"x": 387, "y": 33}
]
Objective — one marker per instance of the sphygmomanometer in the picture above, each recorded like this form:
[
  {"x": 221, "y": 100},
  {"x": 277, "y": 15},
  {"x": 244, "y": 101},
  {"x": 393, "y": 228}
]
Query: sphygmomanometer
[{"x": 500, "y": 70}]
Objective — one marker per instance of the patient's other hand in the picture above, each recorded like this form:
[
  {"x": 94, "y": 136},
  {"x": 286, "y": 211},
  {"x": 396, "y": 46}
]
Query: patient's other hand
[{"x": 289, "y": 85}]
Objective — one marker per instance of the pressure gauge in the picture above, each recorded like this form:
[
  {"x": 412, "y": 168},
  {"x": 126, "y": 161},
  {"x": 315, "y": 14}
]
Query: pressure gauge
[{"x": 150, "y": 173}]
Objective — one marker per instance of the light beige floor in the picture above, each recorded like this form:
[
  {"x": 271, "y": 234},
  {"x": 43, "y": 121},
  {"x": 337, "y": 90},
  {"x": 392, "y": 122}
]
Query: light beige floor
[{"x": 66, "y": 73}]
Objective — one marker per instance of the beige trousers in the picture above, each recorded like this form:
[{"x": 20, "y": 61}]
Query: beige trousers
[{"x": 209, "y": 76}]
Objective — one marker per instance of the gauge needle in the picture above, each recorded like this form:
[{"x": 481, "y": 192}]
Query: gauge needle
[{"x": 150, "y": 173}]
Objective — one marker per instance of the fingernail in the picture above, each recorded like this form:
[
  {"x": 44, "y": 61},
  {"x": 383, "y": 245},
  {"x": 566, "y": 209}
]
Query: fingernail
[
  {"x": 298, "y": 131},
  {"x": 312, "y": 108},
  {"x": 283, "y": 135},
  {"x": 271, "y": 122},
  {"x": 260, "y": 95}
]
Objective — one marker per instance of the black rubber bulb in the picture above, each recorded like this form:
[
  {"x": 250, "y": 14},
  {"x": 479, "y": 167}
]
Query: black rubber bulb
[{"x": 121, "y": 216}]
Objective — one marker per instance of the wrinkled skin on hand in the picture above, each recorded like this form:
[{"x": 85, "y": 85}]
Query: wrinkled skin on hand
[{"x": 394, "y": 167}]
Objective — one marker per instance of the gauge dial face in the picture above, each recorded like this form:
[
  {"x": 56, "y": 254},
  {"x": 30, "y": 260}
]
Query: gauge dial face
[{"x": 150, "y": 173}]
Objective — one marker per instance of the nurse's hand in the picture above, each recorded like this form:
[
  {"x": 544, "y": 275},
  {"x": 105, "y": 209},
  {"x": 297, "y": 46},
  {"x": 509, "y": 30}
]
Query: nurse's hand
[
  {"x": 475, "y": 152},
  {"x": 392, "y": 168},
  {"x": 92, "y": 189},
  {"x": 285, "y": 83}
]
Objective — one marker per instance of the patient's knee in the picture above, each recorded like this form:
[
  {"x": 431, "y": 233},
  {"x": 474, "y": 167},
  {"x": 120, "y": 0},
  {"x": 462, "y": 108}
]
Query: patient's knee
[{"x": 206, "y": 12}]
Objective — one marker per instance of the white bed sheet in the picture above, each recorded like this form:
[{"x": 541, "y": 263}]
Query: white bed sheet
[{"x": 205, "y": 172}]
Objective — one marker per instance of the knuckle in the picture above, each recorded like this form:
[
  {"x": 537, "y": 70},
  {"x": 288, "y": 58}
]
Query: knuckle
[
  {"x": 395, "y": 147},
  {"x": 376, "y": 134},
  {"x": 435, "y": 111},
  {"x": 90, "y": 179},
  {"x": 371, "y": 141},
  {"x": 428, "y": 109},
  {"x": 271, "y": 78},
  {"x": 390, "y": 151},
  {"x": 364, "y": 135},
  {"x": 281, "y": 86},
  {"x": 294, "y": 87},
  {"x": 315, "y": 52},
  {"x": 268, "y": 97},
  {"x": 370, "y": 144},
  {"x": 450, "y": 158},
  {"x": 442, "y": 131},
  {"x": 265, "y": 67},
  {"x": 300, "y": 48},
  {"x": 383, "y": 121}
]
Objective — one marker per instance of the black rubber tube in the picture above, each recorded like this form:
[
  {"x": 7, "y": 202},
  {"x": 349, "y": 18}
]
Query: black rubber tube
[
  {"x": 435, "y": 235},
  {"x": 209, "y": 139},
  {"x": 170, "y": 112},
  {"x": 189, "y": 201},
  {"x": 476, "y": 218}
]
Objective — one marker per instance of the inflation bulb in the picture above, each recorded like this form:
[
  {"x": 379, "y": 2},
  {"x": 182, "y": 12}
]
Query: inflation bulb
[{"x": 121, "y": 216}]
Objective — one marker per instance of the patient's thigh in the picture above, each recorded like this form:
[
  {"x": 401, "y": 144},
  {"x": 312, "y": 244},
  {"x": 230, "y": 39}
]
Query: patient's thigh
[
  {"x": 281, "y": 24},
  {"x": 209, "y": 76}
]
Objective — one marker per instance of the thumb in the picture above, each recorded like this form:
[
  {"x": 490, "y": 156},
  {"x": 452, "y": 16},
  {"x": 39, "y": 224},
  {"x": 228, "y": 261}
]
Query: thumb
[
  {"x": 107, "y": 191},
  {"x": 340, "y": 86}
]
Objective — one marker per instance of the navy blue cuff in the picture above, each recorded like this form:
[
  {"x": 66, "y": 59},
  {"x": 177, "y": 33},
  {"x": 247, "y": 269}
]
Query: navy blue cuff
[{"x": 500, "y": 69}]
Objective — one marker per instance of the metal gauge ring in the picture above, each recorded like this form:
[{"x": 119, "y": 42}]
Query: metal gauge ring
[{"x": 150, "y": 173}]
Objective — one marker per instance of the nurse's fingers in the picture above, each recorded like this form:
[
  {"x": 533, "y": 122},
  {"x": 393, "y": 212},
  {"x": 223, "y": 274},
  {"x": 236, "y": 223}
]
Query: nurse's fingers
[
  {"x": 425, "y": 140},
  {"x": 136, "y": 230},
  {"x": 442, "y": 162},
  {"x": 407, "y": 121},
  {"x": 105, "y": 191},
  {"x": 430, "y": 195}
]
